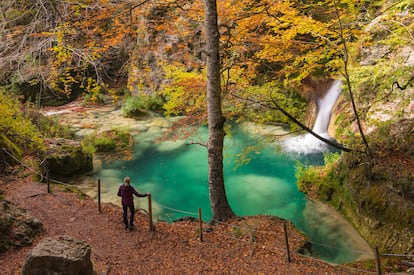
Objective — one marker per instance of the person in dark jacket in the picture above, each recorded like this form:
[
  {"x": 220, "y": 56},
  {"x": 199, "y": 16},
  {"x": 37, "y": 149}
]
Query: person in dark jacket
[{"x": 126, "y": 191}]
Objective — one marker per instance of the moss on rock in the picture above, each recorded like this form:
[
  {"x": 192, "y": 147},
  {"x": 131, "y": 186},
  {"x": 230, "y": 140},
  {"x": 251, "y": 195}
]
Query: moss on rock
[
  {"x": 375, "y": 193},
  {"x": 67, "y": 158}
]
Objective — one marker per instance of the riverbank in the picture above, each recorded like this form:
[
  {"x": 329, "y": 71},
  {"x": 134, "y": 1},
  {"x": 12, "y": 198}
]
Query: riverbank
[{"x": 240, "y": 246}]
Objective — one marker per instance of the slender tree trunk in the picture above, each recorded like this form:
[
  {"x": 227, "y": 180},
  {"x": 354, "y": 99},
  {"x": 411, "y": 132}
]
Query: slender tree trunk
[
  {"x": 218, "y": 200},
  {"x": 348, "y": 82}
]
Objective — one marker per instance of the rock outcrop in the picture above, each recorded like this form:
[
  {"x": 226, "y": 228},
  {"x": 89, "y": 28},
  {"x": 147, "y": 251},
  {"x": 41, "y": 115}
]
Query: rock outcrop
[
  {"x": 17, "y": 228},
  {"x": 59, "y": 255},
  {"x": 375, "y": 192},
  {"x": 67, "y": 158},
  {"x": 381, "y": 188}
]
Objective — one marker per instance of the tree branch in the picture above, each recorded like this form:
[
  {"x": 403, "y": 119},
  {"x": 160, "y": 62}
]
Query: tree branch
[
  {"x": 404, "y": 86},
  {"x": 196, "y": 143},
  {"x": 348, "y": 82},
  {"x": 297, "y": 122}
]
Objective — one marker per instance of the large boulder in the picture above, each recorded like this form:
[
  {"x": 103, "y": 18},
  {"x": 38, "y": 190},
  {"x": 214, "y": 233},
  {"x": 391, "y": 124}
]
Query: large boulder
[
  {"x": 62, "y": 255},
  {"x": 67, "y": 158},
  {"x": 17, "y": 228}
]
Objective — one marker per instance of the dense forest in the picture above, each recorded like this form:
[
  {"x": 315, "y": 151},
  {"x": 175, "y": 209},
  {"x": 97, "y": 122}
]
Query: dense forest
[
  {"x": 265, "y": 62},
  {"x": 53, "y": 52}
]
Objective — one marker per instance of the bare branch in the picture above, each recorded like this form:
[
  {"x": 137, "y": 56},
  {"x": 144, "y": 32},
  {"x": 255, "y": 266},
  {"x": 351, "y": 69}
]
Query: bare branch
[
  {"x": 197, "y": 143},
  {"x": 395, "y": 83},
  {"x": 297, "y": 122},
  {"x": 348, "y": 81}
]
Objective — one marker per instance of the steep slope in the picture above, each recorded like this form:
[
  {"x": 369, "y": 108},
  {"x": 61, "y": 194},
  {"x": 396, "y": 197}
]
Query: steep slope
[{"x": 381, "y": 189}]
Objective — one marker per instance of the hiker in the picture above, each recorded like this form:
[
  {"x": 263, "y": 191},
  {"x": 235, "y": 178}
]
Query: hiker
[{"x": 126, "y": 191}]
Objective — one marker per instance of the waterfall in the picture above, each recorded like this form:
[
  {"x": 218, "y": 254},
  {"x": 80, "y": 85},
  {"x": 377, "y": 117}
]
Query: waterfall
[{"x": 307, "y": 143}]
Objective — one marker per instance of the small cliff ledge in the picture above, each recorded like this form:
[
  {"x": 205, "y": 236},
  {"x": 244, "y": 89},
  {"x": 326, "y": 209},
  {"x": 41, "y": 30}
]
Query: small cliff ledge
[{"x": 382, "y": 189}]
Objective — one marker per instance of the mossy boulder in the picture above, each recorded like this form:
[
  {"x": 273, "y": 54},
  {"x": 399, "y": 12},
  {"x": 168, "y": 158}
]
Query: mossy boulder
[
  {"x": 110, "y": 144},
  {"x": 67, "y": 158},
  {"x": 17, "y": 228}
]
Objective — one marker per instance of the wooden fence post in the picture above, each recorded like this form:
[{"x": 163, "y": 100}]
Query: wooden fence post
[
  {"x": 287, "y": 243},
  {"x": 151, "y": 224},
  {"x": 378, "y": 260},
  {"x": 200, "y": 221},
  {"x": 48, "y": 180},
  {"x": 99, "y": 195}
]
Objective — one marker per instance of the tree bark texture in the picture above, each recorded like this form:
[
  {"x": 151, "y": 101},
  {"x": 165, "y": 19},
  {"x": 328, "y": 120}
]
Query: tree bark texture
[{"x": 218, "y": 200}]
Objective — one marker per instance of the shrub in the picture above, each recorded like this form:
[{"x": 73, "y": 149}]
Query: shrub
[
  {"x": 109, "y": 141},
  {"x": 104, "y": 144},
  {"x": 18, "y": 135},
  {"x": 49, "y": 126},
  {"x": 137, "y": 105}
]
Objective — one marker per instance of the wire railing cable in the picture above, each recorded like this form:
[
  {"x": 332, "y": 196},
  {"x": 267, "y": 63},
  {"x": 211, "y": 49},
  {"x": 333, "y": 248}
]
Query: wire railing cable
[
  {"x": 398, "y": 255},
  {"x": 179, "y": 211},
  {"x": 224, "y": 223}
]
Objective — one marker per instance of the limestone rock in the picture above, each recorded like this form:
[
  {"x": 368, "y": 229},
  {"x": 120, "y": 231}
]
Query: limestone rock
[
  {"x": 67, "y": 158},
  {"x": 17, "y": 228},
  {"x": 381, "y": 189},
  {"x": 59, "y": 255}
]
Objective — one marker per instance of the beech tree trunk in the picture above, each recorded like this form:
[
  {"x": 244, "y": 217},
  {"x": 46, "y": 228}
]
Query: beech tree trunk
[{"x": 218, "y": 200}]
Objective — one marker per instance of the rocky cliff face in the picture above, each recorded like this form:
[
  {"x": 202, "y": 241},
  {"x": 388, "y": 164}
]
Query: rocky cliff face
[
  {"x": 381, "y": 189},
  {"x": 375, "y": 193}
]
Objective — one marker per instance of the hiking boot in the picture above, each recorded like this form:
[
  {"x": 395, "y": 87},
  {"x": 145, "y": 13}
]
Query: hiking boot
[{"x": 131, "y": 228}]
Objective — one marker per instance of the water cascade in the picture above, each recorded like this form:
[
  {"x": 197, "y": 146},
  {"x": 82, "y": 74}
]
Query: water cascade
[{"x": 307, "y": 143}]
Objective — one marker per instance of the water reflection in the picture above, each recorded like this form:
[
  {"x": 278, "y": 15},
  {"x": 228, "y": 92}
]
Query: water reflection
[{"x": 176, "y": 175}]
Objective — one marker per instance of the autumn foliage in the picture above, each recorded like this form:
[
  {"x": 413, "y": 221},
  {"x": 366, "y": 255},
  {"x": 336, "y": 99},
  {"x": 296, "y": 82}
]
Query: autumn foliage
[
  {"x": 88, "y": 44},
  {"x": 67, "y": 48}
]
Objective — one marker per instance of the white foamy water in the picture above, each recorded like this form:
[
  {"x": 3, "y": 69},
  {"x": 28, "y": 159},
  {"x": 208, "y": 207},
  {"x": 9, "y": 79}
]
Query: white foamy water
[
  {"x": 307, "y": 143},
  {"x": 56, "y": 112}
]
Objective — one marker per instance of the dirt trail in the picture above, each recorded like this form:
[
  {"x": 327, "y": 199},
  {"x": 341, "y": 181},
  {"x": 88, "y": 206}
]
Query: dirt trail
[{"x": 171, "y": 249}]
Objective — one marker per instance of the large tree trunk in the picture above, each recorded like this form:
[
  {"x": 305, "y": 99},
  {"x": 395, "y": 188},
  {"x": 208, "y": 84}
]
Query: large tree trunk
[{"x": 218, "y": 200}]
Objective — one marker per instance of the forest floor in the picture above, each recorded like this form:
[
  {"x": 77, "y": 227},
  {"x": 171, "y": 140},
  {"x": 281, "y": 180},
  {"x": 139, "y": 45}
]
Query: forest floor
[{"x": 250, "y": 245}]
